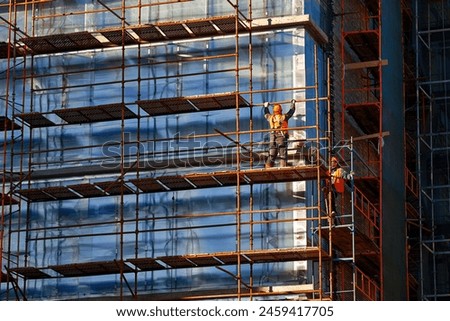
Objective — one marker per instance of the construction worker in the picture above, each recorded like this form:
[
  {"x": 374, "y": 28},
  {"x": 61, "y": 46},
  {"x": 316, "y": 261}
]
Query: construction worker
[
  {"x": 279, "y": 134},
  {"x": 338, "y": 176}
]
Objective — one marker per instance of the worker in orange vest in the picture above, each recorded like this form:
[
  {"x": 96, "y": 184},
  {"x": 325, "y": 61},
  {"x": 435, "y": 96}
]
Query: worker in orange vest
[
  {"x": 279, "y": 133},
  {"x": 338, "y": 176}
]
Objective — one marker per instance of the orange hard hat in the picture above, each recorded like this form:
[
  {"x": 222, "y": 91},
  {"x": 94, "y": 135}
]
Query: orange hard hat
[{"x": 277, "y": 109}]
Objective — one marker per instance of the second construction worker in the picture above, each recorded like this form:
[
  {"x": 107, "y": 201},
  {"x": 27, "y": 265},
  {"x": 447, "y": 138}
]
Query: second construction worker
[
  {"x": 338, "y": 176},
  {"x": 279, "y": 133}
]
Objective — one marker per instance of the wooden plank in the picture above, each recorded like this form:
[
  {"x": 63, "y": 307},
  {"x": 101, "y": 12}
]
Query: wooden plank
[{"x": 366, "y": 64}]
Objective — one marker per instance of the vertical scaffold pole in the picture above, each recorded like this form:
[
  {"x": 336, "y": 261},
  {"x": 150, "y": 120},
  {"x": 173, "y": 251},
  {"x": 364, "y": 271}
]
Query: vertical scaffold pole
[{"x": 352, "y": 196}]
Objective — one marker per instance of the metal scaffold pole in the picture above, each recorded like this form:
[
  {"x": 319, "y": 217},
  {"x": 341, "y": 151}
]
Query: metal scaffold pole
[
  {"x": 240, "y": 282},
  {"x": 352, "y": 227}
]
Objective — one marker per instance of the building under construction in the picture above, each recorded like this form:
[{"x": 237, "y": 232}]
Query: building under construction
[{"x": 134, "y": 143}]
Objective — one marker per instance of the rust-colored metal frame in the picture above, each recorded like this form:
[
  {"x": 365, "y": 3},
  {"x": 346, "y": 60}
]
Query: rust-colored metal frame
[{"x": 361, "y": 32}]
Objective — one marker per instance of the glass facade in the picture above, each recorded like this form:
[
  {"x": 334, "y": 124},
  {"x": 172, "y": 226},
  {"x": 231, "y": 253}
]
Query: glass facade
[{"x": 84, "y": 124}]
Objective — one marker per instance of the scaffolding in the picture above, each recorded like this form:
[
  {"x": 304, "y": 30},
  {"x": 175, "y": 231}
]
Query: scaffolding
[
  {"x": 431, "y": 106},
  {"x": 361, "y": 96},
  {"x": 145, "y": 155}
]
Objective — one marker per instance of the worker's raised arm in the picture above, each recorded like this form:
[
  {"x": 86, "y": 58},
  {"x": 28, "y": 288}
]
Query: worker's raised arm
[
  {"x": 291, "y": 110},
  {"x": 266, "y": 109}
]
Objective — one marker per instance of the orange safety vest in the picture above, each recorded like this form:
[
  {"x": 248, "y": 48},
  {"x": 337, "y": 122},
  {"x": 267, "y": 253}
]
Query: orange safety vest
[
  {"x": 337, "y": 180},
  {"x": 278, "y": 121}
]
